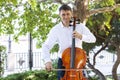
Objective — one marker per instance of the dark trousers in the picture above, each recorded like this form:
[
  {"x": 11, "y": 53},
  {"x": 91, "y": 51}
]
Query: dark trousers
[{"x": 60, "y": 72}]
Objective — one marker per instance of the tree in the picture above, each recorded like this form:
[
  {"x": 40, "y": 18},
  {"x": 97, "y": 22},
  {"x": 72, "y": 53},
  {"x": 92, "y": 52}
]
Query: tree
[
  {"x": 37, "y": 13},
  {"x": 115, "y": 39},
  {"x": 19, "y": 18}
]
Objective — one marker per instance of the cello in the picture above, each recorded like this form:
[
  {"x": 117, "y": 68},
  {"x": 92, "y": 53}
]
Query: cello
[{"x": 74, "y": 60}]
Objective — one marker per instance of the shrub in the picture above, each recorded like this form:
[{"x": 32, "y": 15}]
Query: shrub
[
  {"x": 32, "y": 75},
  {"x": 2, "y": 57}
]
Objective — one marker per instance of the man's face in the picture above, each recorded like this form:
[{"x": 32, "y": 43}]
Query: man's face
[{"x": 65, "y": 16}]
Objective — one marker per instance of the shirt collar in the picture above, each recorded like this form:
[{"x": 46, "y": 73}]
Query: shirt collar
[{"x": 61, "y": 24}]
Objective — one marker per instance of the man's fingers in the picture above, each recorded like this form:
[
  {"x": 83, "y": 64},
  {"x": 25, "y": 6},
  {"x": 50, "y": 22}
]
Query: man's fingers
[
  {"x": 48, "y": 66},
  {"x": 77, "y": 35}
]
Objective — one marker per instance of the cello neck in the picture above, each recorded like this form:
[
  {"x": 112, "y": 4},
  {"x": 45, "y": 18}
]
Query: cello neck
[{"x": 72, "y": 60}]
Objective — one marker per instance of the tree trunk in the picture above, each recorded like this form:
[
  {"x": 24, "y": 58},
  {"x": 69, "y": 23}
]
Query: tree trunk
[
  {"x": 81, "y": 9},
  {"x": 115, "y": 66}
]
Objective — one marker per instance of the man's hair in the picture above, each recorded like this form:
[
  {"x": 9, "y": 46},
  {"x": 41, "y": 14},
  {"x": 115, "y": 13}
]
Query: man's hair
[{"x": 65, "y": 7}]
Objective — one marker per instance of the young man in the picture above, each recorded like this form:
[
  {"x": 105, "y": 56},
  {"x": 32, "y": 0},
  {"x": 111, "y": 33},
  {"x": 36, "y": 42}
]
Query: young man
[{"x": 62, "y": 33}]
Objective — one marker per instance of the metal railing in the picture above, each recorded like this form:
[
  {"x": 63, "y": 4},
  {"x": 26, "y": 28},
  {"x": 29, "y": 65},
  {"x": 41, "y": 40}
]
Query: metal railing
[{"x": 20, "y": 61}]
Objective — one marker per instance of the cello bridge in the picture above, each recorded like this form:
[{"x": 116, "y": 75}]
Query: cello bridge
[{"x": 72, "y": 75}]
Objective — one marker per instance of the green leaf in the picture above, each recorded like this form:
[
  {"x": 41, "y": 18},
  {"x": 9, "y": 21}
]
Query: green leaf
[{"x": 117, "y": 10}]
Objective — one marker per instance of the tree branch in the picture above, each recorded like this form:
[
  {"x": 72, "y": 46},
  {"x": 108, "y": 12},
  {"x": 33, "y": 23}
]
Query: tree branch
[
  {"x": 102, "y": 48},
  {"x": 54, "y": 1},
  {"x": 101, "y": 10},
  {"x": 57, "y": 1}
]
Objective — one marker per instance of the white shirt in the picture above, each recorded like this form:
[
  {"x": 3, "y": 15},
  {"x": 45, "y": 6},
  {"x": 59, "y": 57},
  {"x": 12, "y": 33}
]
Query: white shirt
[{"x": 63, "y": 36}]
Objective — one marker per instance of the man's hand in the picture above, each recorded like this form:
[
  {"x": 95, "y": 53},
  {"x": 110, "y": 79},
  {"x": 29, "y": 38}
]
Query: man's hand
[
  {"x": 48, "y": 66},
  {"x": 77, "y": 35}
]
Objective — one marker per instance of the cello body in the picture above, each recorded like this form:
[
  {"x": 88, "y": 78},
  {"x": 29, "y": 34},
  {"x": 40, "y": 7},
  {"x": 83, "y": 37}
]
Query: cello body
[{"x": 80, "y": 62}]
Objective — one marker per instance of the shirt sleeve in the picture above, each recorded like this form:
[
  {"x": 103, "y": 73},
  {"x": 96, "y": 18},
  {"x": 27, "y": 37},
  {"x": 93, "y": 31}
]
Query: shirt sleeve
[
  {"x": 47, "y": 46},
  {"x": 87, "y": 36}
]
